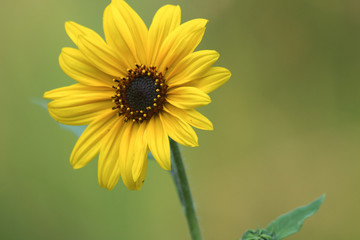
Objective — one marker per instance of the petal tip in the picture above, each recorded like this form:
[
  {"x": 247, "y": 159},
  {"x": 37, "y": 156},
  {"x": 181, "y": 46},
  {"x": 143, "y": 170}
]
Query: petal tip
[
  {"x": 228, "y": 73},
  {"x": 46, "y": 95},
  {"x": 68, "y": 25},
  {"x": 204, "y": 22},
  {"x": 135, "y": 175},
  {"x": 195, "y": 145},
  {"x": 167, "y": 168},
  {"x": 74, "y": 163},
  {"x": 110, "y": 188},
  {"x": 76, "y": 166}
]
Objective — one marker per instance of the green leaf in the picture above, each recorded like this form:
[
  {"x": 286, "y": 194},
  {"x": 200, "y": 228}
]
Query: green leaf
[
  {"x": 292, "y": 221},
  {"x": 259, "y": 234}
]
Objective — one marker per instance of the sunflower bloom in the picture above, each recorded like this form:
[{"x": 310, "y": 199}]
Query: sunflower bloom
[{"x": 135, "y": 90}]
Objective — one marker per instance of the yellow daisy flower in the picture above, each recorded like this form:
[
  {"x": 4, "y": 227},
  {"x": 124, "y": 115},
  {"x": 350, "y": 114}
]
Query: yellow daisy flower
[{"x": 135, "y": 90}]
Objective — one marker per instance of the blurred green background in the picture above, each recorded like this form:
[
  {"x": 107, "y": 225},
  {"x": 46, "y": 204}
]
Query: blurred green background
[{"x": 287, "y": 126}]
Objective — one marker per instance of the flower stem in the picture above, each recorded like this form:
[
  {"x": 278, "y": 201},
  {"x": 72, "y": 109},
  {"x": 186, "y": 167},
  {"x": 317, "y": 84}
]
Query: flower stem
[{"x": 183, "y": 189}]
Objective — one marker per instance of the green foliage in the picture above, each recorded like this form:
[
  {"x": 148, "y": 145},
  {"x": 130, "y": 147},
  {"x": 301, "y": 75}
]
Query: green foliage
[
  {"x": 259, "y": 234},
  {"x": 292, "y": 221},
  {"x": 285, "y": 225}
]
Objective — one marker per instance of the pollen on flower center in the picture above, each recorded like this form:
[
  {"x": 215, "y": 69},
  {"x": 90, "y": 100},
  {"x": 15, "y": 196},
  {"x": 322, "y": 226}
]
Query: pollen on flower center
[{"x": 141, "y": 94}]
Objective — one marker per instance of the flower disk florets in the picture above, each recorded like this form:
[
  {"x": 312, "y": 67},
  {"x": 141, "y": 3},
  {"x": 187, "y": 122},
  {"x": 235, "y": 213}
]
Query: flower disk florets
[{"x": 141, "y": 94}]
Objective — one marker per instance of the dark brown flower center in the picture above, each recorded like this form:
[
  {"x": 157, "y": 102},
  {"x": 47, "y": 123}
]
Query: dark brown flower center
[{"x": 141, "y": 94}]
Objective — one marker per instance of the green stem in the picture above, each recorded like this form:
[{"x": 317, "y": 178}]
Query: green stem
[{"x": 183, "y": 189}]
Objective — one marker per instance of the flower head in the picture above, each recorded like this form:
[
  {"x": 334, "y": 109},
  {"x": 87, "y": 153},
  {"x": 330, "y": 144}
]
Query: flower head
[{"x": 135, "y": 90}]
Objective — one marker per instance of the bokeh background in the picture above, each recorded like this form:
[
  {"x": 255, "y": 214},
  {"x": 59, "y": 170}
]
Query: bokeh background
[{"x": 287, "y": 126}]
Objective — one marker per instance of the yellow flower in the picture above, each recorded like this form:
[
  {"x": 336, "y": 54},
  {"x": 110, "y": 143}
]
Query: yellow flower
[{"x": 135, "y": 90}]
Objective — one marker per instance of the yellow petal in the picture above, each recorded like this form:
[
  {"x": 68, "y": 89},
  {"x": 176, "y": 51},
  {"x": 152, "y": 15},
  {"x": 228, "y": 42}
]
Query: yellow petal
[
  {"x": 74, "y": 30},
  {"x": 166, "y": 19},
  {"x": 79, "y": 116},
  {"x": 80, "y": 99},
  {"x": 212, "y": 79},
  {"x": 129, "y": 150},
  {"x": 191, "y": 116},
  {"x": 125, "y": 144},
  {"x": 88, "y": 145},
  {"x": 158, "y": 142},
  {"x": 179, "y": 130},
  {"x": 192, "y": 66},
  {"x": 180, "y": 42},
  {"x": 108, "y": 165},
  {"x": 118, "y": 37},
  {"x": 141, "y": 151},
  {"x": 136, "y": 26},
  {"x": 187, "y": 97},
  {"x": 142, "y": 176},
  {"x": 76, "y": 66},
  {"x": 73, "y": 104},
  {"x": 101, "y": 56},
  {"x": 73, "y": 90}
]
